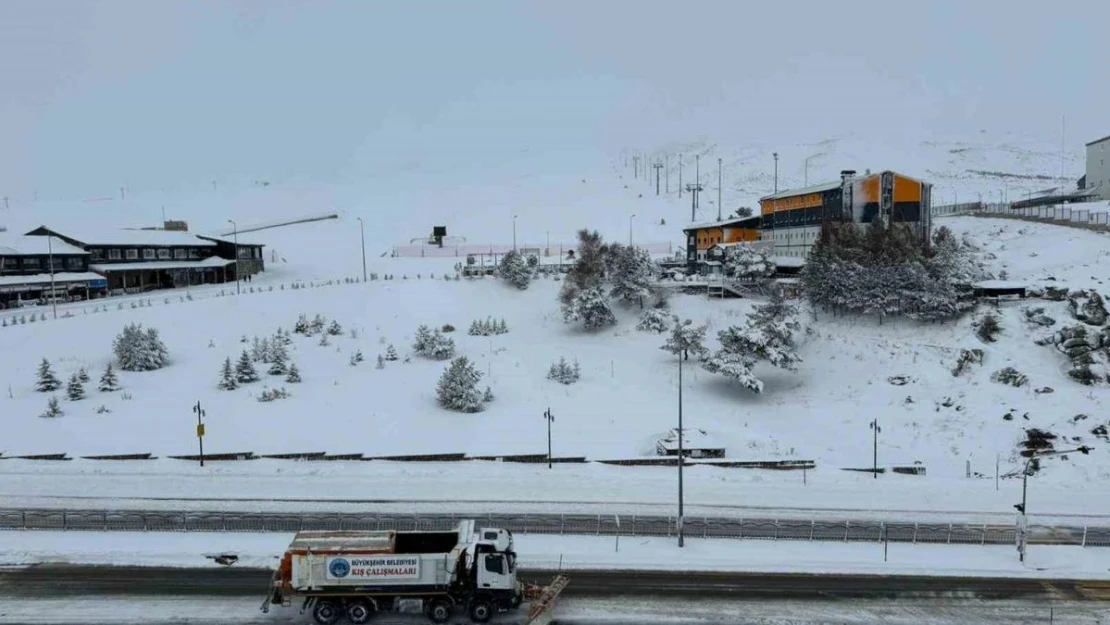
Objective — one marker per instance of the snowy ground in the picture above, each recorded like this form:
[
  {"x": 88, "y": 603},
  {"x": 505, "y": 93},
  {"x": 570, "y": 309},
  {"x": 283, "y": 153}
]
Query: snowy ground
[{"x": 537, "y": 552}]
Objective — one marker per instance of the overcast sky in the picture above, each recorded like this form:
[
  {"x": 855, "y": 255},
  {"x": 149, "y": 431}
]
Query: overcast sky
[{"x": 154, "y": 93}]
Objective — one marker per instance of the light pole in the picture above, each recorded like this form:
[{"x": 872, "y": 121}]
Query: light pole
[
  {"x": 549, "y": 418},
  {"x": 776, "y": 155},
  {"x": 630, "y": 218},
  {"x": 362, "y": 235},
  {"x": 235, "y": 231},
  {"x": 547, "y": 250},
  {"x": 875, "y": 447},
  {"x": 681, "y": 537},
  {"x": 718, "y": 188},
  {"x": 514, "y": 233},
  {"x": 1021, "y": 508},
  {"x": 50, "y": 259},
  {"x": 200, "y": 430}
]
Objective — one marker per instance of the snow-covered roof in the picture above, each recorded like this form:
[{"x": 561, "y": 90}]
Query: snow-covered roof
[
  {"x": 230, "y": 240},
  {"x": 817, "y": 188},
  {"x": 44, "y": 278},
  {"x": 11, "y": 245},
  {"x": 155, "y": 265},
  {"x": 790, "y": 261},
  {"x": 999, "y": 284},
  {"x": 110, "y": 236},
  {"x": 692, "y": 438},
  {"x": 717, "y": 224}
]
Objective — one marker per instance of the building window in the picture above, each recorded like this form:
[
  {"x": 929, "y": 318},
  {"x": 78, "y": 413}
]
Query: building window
[
  {"x": 113, "y": 255},
  {"x": 148, "y": 254},
  {"x": 73, "y": 263},
  {"x": 180, "y": 254},
  {"x": 9, "y": 263},
  {"x": 32, "y": 263},
  {"x": 194, "y": 253},
  {"x": 163, "y": 254},
  {"x": 56, "y": 263},
  {"x": 96, "y": 254},
  {"x": 244, "y": 253},
  {"x": 258, "y": 253},
  {"x": 132, "y": 254}
]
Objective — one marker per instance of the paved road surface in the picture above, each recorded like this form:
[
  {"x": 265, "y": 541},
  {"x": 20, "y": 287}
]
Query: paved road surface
[{"x": 57, "y": 581}]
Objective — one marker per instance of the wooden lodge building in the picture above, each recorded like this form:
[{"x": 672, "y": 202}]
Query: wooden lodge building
[{"x": 89, "y": 264}]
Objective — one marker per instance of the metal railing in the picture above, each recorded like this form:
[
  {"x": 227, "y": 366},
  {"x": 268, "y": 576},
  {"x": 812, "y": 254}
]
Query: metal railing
[
  {"x": 1064, "y": 214},
  {"x": 556, "y": 524}
]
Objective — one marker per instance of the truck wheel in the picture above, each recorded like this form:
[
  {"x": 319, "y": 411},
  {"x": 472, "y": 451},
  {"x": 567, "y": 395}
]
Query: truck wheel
[
  {"x": 326, "y": 612},
  {"x": 439, "y": 610},
  {"x": 359, "y": 612},
  {"x": 481, "y": 610}
]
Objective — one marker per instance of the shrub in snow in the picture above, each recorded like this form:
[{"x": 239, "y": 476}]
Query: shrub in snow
[
  {"x": 744, "y": 263},
  {"x": 685, "y": 338},
  {"x": 355, "y": 358},
  {"x": 653, "y": 320},
  {"x": 440, "y": 347},
  {"x": 294, "y": 375},
  {"x": 334, "y": 328},
  {"x": 591, "y": 308},
  {"x": 108, "y": 381},
  {"x": 966, "y": 359},
  {"x": 1037, "y": 316},
  {"x": 564, "y": 373},
  {"x": 988, "y": 328},
  {"x": 1009, "y": 375},
  {"x": 228, "y": 380},
  {"x": 487, "y": 397},
  {"x": 1088, "y": 307},
  {"x": 75, "y": 390},
  {"x": 323, "y": 342},
  {"x": 458, "y": 387},
  {"x": 515, "y": 270},
  {"x": 53, "y": 408},
  {"x": 447, "y": 328},
  {"x": 302, "y": 326},
  {"x": 1055, "y": 294},
  {"x": 102, "y": 409},
  {"x": 47, "y": 382},
  {"x": 768, "y": 336},
  {"x": 245, "y": 372},
  {"x": 381, "y": 362},
  {"x": 272, "y": 394},
  {"x": 140, "y": 350},
  {"x": 421, "y": 340},
  {"x": 317, "y": 324},
  {"x": 390, "y": 353}
]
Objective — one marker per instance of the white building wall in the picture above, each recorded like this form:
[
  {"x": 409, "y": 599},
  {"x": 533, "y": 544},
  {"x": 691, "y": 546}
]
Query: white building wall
[{"x": 1098, "y": 167}]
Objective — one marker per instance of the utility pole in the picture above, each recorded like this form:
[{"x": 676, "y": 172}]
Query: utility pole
[
  {"x": 1023, "y": 520},
  {"x": 693, "y": 190},
  {"x": 657, "y": 167},
  {"x": 667, "y": 160},
  {"x": 680, "y": 175},
  {"x": 697, "y": 177},
  {"x": 630, "y": 217},
  {"x": 875, "y": 448},
  {"x": 362, "y": 235},
  {"x": 549, "y": 418},
  {"x": 200, "y": 430},
  {"x": 635, "y": 167},
  {"x": 776, "y": 155},
  {"x": 514, "y": 233},
  {"x": 238, "y": 275},
  {"x": 50, "y": 259},
  {"x": 681, "y": 537},
  {"x": 718, "y": 188}
]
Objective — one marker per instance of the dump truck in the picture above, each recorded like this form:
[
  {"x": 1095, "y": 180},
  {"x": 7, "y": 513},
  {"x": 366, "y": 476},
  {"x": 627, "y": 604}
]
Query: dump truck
[{"x": 354, "y": 574}]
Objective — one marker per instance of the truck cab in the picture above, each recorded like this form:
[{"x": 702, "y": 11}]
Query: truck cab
[{"x": 495, "y": 568}]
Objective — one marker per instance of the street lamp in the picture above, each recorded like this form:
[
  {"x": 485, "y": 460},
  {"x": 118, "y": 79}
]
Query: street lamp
[
  {"x": 50, "y": 259},
  {"x": 776, "y": 155},
  {"x": 514, "y": 233},
  {"x": 630, "y": 218},
  {"x": 718, "y": 188},
  {"x": 235, "y": 231},
  {"x": 874, "y": 425},
  {"x": 1021, "y": 507},
  {"x": 549, "y": 418},
  {"x": 681, "y": 537},
  {"x": 362, "y": 235}
]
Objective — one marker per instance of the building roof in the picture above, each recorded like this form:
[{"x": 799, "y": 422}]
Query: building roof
[
  {"x": 229, "y": 240},
  {"x": 158, "y": 265},
  {"x": 817, "y": 188},
  {"x": 14, "y": 245},
  {"x": 1099, "y": 140},
  {"x": 114, "y": 236},
  {"x": 724, "y": 222},
  {"x": 44, "y": 278}
]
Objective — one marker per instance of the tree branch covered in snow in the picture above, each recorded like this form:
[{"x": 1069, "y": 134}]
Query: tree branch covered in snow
[
  {"x": 767, "y": 336},
  {"x": 515, "y": 270},
  {"x": 457, "y": 388},
  {"x": 139, "y": 350}
]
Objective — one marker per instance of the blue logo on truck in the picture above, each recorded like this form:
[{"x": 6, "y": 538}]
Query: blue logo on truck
[{"x": 339, "y": 567}]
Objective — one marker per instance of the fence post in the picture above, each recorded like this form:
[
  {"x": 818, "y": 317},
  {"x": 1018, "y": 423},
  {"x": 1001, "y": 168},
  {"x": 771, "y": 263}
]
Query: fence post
[
  {"x": 984, "y": 537},
  {"x": 1084, "y": 536},
  {"x": 705, "y": 527},
  {"x": 525, "y": 524},
  {"x": 64, "y": 524},
  {"x": 599, "y": 525},
  {"x": 882, "y": 530},
  {"x": 846, "y": 524},
  {"x": 562, "y": 524},
  {"x": 776, "y": 529},
  {"x": 915, "y": 533},
  {"x": 741, "y": 529},
  {"x": 949, "y": 533},
  {"x": 812, "y": 527},
  {"x": 23, "y": 518}
]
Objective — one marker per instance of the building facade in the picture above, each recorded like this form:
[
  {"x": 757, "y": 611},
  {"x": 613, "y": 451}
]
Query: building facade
[
  {"x": 700, "y": 238},
  {"x": 41, "y": 269},
  {"x": 1097, "y": 176}
]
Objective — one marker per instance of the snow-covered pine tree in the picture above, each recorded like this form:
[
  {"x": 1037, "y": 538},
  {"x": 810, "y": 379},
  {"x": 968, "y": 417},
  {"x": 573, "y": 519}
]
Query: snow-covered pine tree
[
  {"x": 653, "y": 320},
  {"x": 590, "y": 307},
  {"x": 988, "y": 329},
  {"x": 256, "y": 349},
  {"x": 75, "y": 390},
  {"x": 633, "y": 275},
  {"x": 458, "y": 387},
  {"x": 381, "y": 362},
  {"x": 53, "y": 408},
  {"x": 440, "y": 347},
  {"x": 279, "y": 363},
  {"x": 127, "y": 349},
  {"x": 245, "y": 372},
  {"x": 768, "y": 335},
  {"x": 475, "y": 328},
  {"x": 266, "y": 354},
  {"x": 390, "y": 353},
  {"x": 745, "y": 263},
  {"x": 47, "y": 382},
  {"x": 227, "y": 382},
  {"x": 421, "y": 341},
  {"x": 302, "y": 326},
  {"x": 323, "y": 342},
  {"x": 334, "y": 328},
  {"x": 732, "y": 360},
  {"x": 108, "y": 380},
  {"x": 317, "y": 325},
  {"x": 487, "y": 397},
  {"x": 685, "y": 338},
  {"x": 587, "y": 272},
  {"x": 83, "y": 375},
  {"x": 502, "y": 327},
  {"x": 155, "y": 354},
  {"x": 515, "y": 270},
  {"x": 294, "y": 375}
]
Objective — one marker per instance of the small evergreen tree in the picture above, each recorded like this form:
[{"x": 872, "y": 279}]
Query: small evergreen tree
[
  {"x": 563, "y": 372},
  {"x": 381, "y": 362},
  {"x": 988, "y": 329},
  {"x": 245, "y": 372},
  {"x": 591, "y": 308},
  {"x": 334, "y": 328},
  {"x": 502, "y": 327},
  {"x": 318, "y": 324},
  {"x": 515, "y": 270},
  {"x": 83, "y": 375},
  {"x": 53, "y": 409},
  {"x": 487, "y": 397},
  {"x": 390, "y": 353},
  {"x": 139, "y": 350},
  {"x": 279, "y": 364},
  {"x": 653, "y": 320},
  {"x": 75, "y": 390},
  {"x": 440, "y": 347},
  {"x": 294, "y": 375},
  {"x": 323, "y": 342},
  {"x": 685, "y": 338},
  {"x": 108, "y": 381},
  {"x": 302, "y": 326},
  {"x": 423, "y": 337},
  {"x": 768, "y": 335},
  {"x": 47, "y": 381},
  {"x": 228, "y": 381},
  {"x": 458, "y": 387}
]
